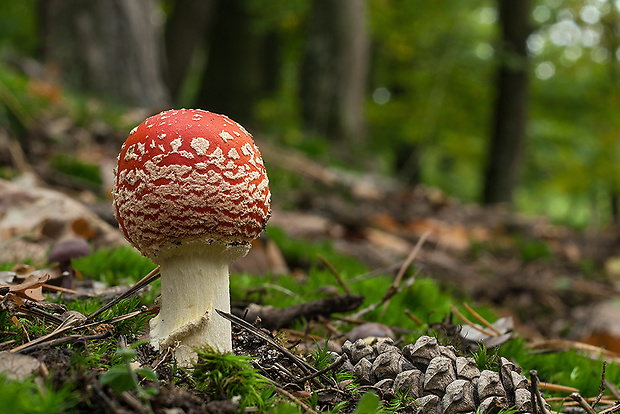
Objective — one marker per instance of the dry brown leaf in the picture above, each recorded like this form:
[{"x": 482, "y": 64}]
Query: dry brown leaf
[
  {"x": 450, "y": 235},
  {"x": 31, "y": 288}
]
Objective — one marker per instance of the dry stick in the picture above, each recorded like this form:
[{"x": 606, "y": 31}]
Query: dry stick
[
  {"x": 555, "y": 387},
  {"x": 20, "y": 326},
  {"x": 330, "y": 367},
  {"x": 41, "y": 313},
  {"x": 611, "y": 409},
  {"x": 112, "y": 321},
  {"x": 401, "y": 273},
  {"x": 66, "y": 328},
  {"x": 470, "y": 323},
  {"x": 538, "y": 401},
  {"x": 304, "y": 366},
  {"x": 151, "y": 277},
  {"x": 533, "y": 390},
  {"x": 412, "y": 317},
  {"x": 291, "y": 397},
  {"x": 568, "y": 402},
  {"x": 336, "y": 274},
  {"x": 391, "y": 292},
  {"x": 68, "y": 339},
  {"x": 612, "y": 389},
  {"x": 591, "y": 351},
  {"x": 482, "y": 320},
  {"x": 58, "y": 289},
  {"x": 582, "y": 403},
  {"x": 602, "y": 389}
]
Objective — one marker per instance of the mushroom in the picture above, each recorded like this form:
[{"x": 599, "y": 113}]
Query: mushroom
[
  {"x": 63, "y": 252},
  {"x": 191, "y": 193}
]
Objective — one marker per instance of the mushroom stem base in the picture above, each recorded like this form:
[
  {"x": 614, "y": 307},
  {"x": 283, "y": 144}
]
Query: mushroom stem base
[{"x": 194, "y": 282}]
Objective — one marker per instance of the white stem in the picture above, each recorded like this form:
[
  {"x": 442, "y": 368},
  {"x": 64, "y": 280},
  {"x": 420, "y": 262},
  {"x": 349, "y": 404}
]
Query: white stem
[{"x": 194, "y": 282}]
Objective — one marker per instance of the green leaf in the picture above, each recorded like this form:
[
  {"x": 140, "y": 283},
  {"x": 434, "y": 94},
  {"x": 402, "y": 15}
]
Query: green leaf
[
  {"x": 369, "y": 403},
  {"x": 119, "y": 379},
  {"x": 146, "y": 373}
]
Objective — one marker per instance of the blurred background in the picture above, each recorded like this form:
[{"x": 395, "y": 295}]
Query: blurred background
[{"x": 509, "y": 102}]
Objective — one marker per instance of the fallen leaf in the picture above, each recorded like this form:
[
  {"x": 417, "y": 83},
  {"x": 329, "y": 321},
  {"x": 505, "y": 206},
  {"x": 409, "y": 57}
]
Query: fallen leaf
[{"x": 31, "y": 288}]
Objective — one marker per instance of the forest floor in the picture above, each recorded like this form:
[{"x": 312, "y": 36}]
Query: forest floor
[{"x": 555, "y": 282}]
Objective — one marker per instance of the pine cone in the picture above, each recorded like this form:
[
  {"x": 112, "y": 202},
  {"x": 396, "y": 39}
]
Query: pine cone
[{"x": 437, "y": 379}]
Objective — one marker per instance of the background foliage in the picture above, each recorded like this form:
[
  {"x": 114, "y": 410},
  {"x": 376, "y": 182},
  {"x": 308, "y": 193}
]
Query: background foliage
[{"x": 430, "y": 93}]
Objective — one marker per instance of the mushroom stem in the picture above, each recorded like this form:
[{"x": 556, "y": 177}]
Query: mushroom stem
[{"x": 194, "y": 282}]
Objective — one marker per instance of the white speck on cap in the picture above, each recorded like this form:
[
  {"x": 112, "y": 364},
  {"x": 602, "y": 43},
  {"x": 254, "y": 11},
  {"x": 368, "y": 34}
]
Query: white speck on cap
[
  {"x": 200, "y": 145},
  {"x": 225, "y": 136}
]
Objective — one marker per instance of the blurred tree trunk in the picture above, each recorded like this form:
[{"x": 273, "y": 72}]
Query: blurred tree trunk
[
  {"x": 109, "y": 47},
  {"x": 231, "y": 82},
  {"x": 508, "y": 135},
  {"x": 609, "y": 138},
  {"x": 186, "y": 30},
  {"x": 334, "y": 71}
]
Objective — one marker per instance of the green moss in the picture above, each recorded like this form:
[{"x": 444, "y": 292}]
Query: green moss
[
  {"x": 114, "y": 266},
  {"x": 28, "y": 398},
  {"x": 228, "y": 375},
  {"x": 77, "y": 170}
]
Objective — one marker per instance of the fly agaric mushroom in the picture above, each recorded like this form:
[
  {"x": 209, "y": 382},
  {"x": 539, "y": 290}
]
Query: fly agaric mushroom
[{"x": 191, "y": 193}]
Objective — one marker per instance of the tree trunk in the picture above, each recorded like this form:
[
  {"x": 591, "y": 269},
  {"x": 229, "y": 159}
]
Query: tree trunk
[
  {"x": 334, "y": 71},
  {"x": 108, "y": 47},
  {"x": 186, "y": 29},
  {"x": 231, "y": 82},
  {"x": 508, "y": 135}
]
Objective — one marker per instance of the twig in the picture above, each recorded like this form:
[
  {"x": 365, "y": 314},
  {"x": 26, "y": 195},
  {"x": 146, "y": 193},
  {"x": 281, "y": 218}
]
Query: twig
[
  {"x": 533, "y": 390},
  {"x": 602, "y": 389},
  {"x": 482, "y": 320},
  {"x": 376, "y": 272},
  {"x": 591, "y": 351},
  {"x": 70, "y": 326},
  {"x": 336, "y": 274},
  {"x": 58, "y": 289},
  {"x": 538, "y": 401},
  {"x": 34, "y": 311},
  {"x": 612, "y": 389},
  {"x": 66, "y": 340},
  {"x": 151, "y": 277},
  {"x": 409, "y": 260},
  {"x": 304, "y": 366},
  {"x": 612, "y": 409},
  {"x": 393, "y": 289},
  {"x": 470, "y": 323},
  {"x": 291, "y": 397},
  {"x": 389, "y": 293},
  {"x": 413, "y": 317},
  {"x": 555, "y": 387},
  {"x": 582, "y": 403},
  {"x": 330, "y": 367},
  {"x": 568, "y": 402},
  {"x": 112, "y": 321}
]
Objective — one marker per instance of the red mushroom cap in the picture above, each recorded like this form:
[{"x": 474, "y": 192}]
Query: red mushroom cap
[{"x": 190, "y": 175}]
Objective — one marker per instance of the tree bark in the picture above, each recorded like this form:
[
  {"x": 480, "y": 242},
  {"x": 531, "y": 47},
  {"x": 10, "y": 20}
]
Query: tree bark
[
  {"x": 334, "y": 71},
  {"x": 508, "y": 134},
  {"x": 108, "y": 47},
  {"x": 231, "y": 81},
  {"x": 186, "y": 30}
]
